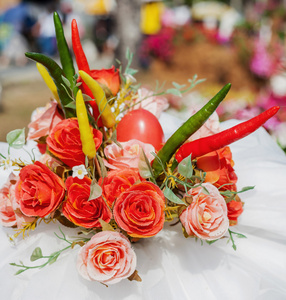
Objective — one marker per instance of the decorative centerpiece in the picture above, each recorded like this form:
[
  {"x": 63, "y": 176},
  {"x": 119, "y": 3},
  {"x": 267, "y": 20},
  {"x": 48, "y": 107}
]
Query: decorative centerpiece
[{"x": 107, "y": 171}]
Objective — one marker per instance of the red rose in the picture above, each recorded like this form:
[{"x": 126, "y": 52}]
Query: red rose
[
  {"x": 79, "y": 210},
  {"x": 218, "y": 166},
  {"x": 117, "y": 182},
  {"x": 108, "y": 77},
  {"x": 39, "y": 191},
  {"x": 64, "y": 142},
  {"x": 235, "y": 209},
  {"x": 140, "y": 210}
]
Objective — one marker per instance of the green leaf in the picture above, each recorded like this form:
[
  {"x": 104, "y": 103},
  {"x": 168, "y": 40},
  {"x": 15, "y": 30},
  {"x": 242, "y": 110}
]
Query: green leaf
[
  {"x": 16, "y": 138},
  {"x": 246, "y": 188},
  {"x": 178, "y": 86},
  {"x": 95, "y": 190},
  {"x": 71, "y": 105},
  {"x": 131, "y": 71},
  {"x": 66, "y": 81},
  {"x": 20, "y": 271},
  {"x": 144, "y": 166},
  {"x": 174, "y": 92},
  {"x": 87, "y": 98},
  {"x": 37, "y": 254},
  {"x": 102, "y": 166},
  {"x": 105, "y": 226},
  {"x": 185, "y": 167},
  {"x": 55, "y": 256},
  {"x": 169, "y": 194}
]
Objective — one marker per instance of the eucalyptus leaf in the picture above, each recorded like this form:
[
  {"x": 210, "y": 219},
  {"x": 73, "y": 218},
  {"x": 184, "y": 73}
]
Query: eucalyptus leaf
[
  {"x": 37, "y": 254},
  {"x": 178, "y": 86},
  {"x": 95, "y": 190},
  {"x": 169, "y": 194},
  {"x": 87, "y": 98},
  {"x": 16, "y": 138},
  {"x": 54, "y": 259},
  {"x": 185, "y": 167},
  {"x": 105, "y": 226},
  {"x": 20, "y": 271},
  {"x": 174, "y": 92},
  {"x": 66, "y": 81},
  {"x": 71, "y": 105},
  {"x": 102, "y": 166}
]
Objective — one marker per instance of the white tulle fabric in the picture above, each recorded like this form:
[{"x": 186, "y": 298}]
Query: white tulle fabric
[{"x": 171, "y": 266}]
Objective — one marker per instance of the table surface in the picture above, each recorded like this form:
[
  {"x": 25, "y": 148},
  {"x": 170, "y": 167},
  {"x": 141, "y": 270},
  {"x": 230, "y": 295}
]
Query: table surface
[{"x": 171, "y": 266}]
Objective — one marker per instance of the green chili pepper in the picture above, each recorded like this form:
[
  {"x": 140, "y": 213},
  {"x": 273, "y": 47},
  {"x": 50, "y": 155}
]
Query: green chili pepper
[
  {"x": 56, "y": 73},
  {"x": 187, "y": 129},
  {"x": 65, "y": 56}
]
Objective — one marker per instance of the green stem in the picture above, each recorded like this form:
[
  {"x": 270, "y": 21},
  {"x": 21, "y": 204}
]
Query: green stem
[
  {"x": 56, "y": 73},
  {"x": 187, "y": 129}
]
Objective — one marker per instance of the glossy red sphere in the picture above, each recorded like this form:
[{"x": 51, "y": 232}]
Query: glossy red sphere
[{"x": 141, "y": 125}]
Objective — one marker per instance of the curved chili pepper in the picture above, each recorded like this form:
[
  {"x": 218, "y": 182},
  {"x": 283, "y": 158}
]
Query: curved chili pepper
[
  {"x": 187, "y": 129},
  {"x": 80, "y": 57},
  {"x": 219, "y": 140},
  {"x": 48, "y": 80},
  {"x": 82, "y": 64},
  {"x": 65, "y": 56},
  {"x": 86, "y": 136},
  {"x": 56, "y": 73},
  {"x": 107, "y": 116}
]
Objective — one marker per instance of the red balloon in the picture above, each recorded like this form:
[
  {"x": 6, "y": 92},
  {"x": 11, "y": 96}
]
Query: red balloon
[{"x": 141, "y": 125}]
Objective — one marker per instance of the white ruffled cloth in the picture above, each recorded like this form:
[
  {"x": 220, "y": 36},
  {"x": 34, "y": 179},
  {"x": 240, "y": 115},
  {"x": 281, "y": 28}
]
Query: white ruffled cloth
[{"x": 171, "y": 266}]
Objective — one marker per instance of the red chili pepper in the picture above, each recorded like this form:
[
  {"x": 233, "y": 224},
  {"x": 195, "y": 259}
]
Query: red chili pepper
[
  {"x": 82, "y": 64},
  {"x": 80, "y": 57},
  {"x": 214, "y": 142}
]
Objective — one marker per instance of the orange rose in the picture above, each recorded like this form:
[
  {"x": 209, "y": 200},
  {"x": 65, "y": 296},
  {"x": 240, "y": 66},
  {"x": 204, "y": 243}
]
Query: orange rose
[
  {"x": 117, "y": 182},
  {"x": 218, "y": 166},
  {"x": 39, "y": 191},
  {"x": 234, "y": 210},
  {"x": 140, "y": 210},
  {"x": 81, "y": 211},
  {"x": 108, "y": 77},
  {"x": 64, "y": 142}
]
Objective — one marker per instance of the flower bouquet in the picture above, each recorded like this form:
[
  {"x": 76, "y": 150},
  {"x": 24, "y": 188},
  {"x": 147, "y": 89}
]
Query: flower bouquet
[{"x": 107, "y": 172}]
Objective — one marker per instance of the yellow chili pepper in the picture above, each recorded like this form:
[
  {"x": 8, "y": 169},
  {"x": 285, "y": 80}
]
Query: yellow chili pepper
[
  {"x": 86, "y": 135},
  {"x": 107, "y": 116},
  {"x": 48, "y": 80}
]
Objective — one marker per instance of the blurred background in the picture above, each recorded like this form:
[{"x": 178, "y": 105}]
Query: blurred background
[{"x": 237, "y": 41}]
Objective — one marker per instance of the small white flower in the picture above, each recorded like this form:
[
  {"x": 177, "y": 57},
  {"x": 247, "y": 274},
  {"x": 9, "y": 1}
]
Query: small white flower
[
  {"x": 79, "y": 171},
  {"x": 130, "y": 79}
]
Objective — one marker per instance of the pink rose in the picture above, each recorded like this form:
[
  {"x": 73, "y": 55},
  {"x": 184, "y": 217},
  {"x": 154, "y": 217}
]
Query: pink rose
[
  {"x": 10, "y": 214},
  {"x": 50, "y": 161},
  {"x": 128, "y": 156},
  {"x": 206, "y": 216},
  {"x": 154, "y": 104},
  {"x": 210, "y": 127},
  {"x": 107, "y": 258},
  {"x": 43, "y": 122}
]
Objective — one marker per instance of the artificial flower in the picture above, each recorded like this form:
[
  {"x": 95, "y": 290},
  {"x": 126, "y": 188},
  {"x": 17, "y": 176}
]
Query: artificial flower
[
  {"x": 140, "y": 210},
  {"x": 116, "y": 182},
  {"x": 206, "y": 216},
  {"x": 79, "y": 171},
  {"x": 108, "y": 258},
  {"x": 39, "y": 191},
  {"x": 79, "y": 209},
  {"x": 64, "y": 142},
  {"x": 234, "y": 210},
  {"x": 128, "y": 156}
]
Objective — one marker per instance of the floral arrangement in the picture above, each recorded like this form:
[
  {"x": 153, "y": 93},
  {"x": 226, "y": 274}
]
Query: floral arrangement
[{"x": 106, "y": 170}]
